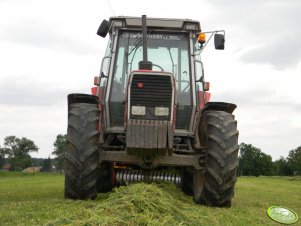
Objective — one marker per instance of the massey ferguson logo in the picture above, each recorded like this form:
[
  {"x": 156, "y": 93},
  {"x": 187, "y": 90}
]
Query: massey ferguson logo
[{"x": 140, "y": 85}]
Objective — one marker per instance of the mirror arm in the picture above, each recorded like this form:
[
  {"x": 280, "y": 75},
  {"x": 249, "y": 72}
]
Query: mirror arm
[
  {"x": 211, "y": 35},
  {"x": 103, "y": 75}
]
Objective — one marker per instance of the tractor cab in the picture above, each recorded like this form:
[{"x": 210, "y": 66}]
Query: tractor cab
[{"x": 170, "y": 48}]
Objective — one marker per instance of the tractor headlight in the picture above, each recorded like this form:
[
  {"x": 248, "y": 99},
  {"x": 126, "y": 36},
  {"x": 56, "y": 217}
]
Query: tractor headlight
[
  {"x": 161, "y": 111},
  {"x": 138, "y": 110}
]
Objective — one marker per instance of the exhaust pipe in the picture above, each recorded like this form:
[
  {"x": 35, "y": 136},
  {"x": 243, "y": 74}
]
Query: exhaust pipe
[{"x": 145, "y": 64}]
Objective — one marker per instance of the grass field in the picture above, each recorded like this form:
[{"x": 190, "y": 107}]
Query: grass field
[{"x": 37, "y": 199}]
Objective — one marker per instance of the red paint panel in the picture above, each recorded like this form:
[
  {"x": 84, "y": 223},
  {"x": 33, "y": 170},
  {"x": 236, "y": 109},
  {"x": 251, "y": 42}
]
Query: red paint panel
[
  {"x": 204, "y": 98},
  {"x": 97, "y": 91},
  {"x": 94, "y": 90}
]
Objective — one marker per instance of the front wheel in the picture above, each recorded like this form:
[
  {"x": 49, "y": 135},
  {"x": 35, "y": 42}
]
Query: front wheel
[
  {"x": 81, "y": 151},
  {"x": 218, "y": 133}
]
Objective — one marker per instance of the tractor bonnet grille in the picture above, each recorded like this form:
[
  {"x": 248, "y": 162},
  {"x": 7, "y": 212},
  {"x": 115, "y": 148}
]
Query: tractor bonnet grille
[{"x": 151, "y": 91}]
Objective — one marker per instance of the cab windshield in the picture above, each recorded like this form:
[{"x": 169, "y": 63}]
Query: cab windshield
[{"x": 168, "y": 52}]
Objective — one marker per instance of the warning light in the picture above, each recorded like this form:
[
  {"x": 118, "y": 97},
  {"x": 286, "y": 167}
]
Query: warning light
[{"x": 202, "y": 38}]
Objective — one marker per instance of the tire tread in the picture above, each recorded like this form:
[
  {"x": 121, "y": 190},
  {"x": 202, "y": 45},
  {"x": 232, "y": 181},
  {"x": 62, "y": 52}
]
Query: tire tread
[
  {"x": 81, "y": 152},
  {"x": 221, "y": 140}
]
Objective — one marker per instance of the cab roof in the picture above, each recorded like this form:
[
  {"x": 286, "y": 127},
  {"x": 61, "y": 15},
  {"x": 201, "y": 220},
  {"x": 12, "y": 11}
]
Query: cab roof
[{"x": 159, "y": 23}]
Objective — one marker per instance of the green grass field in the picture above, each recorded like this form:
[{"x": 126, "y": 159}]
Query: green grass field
[{"x": 37, "y": 199}]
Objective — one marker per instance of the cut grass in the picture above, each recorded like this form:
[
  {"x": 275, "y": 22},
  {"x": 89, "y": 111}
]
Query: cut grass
[{"x": 37, "y": 199}]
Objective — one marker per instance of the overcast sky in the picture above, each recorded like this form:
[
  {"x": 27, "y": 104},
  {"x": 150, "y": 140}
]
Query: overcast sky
[{"x": 49, "y": 49}]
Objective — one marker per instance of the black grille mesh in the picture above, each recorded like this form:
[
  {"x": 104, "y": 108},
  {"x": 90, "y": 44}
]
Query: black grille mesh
[{"x": 156, "y": 91}]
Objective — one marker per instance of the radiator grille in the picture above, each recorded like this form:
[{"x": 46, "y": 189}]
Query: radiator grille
[{"x": 151, "y": 90}]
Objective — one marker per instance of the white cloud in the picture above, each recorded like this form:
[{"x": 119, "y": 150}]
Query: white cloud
[
  {"x": 24, "y": 91},
  {"x": 266, "y": 32},
  {"x": 43, "y": 35},
  {"x": 282, "y": 52}
]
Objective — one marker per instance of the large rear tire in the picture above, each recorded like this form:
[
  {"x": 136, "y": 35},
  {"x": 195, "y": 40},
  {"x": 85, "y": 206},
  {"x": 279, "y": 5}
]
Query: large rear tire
[
  {"x": 81, "y": 152},
  {"x": 218, "y": 133}
]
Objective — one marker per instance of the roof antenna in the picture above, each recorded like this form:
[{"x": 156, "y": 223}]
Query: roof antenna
[{"x": 145, "y": 64}]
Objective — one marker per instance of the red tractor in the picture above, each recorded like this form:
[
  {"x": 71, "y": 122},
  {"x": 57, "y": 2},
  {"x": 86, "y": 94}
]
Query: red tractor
[{"x": 149, "y": 117}]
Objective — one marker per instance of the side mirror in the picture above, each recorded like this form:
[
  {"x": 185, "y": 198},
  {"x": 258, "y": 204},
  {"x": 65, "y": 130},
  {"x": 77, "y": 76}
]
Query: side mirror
[
  {"x": 219, "y": 41},
  {"x": 103, "y": 28},
  {"x": 199, "y": 68}
]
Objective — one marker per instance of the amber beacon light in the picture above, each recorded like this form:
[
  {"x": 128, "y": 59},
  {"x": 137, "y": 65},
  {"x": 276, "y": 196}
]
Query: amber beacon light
[{"x": 202, "y": 38}]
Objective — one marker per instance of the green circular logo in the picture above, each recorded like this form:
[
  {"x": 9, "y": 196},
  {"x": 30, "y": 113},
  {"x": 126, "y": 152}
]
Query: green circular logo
[{"x": 282, "y": 215}]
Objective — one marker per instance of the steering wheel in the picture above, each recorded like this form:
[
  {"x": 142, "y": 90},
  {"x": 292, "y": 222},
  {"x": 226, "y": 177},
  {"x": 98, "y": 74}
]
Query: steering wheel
[{"x": 156, "y": 65}]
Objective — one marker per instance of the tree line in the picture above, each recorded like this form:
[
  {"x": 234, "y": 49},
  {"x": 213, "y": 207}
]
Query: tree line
[
  {"x": 252, "y": 161},
  {"x": 15, "y": 152}
]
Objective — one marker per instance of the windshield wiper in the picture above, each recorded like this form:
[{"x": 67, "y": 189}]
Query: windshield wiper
[
  {"x": 136, "y": 45},
  {"x": 173, "y": 64}
]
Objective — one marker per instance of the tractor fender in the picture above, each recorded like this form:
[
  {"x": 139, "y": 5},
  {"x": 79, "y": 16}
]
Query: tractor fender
[
  {"x": 76, "y": 98},
  {"x": 219, "y": 106},
  {"x": 82, "y": 98}
]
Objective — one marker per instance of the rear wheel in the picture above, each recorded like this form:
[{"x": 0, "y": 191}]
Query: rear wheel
[
  {"x": 218, "y": 133},
  {"x": 81, "y": 152}
]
